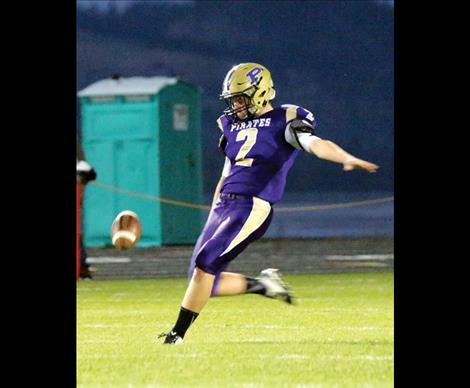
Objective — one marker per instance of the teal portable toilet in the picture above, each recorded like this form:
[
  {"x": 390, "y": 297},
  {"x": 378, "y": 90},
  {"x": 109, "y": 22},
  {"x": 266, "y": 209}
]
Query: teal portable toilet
[{"x": 142, "y": 136}]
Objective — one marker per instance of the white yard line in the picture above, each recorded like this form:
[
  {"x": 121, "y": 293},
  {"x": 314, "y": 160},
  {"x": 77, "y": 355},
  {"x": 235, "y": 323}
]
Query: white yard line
[
  {"x": 101, "y": 260},
  {"x": 360, "y": 257}
]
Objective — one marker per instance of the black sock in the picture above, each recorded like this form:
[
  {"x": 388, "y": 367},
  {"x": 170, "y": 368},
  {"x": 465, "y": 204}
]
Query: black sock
[
  {"x": 253, "y": 286},
  {"x": 185, "y": 319}
]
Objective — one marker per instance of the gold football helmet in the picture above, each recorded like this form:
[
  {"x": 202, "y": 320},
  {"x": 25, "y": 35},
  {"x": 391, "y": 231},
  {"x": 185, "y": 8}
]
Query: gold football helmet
[{"x": 252, "y": 81}]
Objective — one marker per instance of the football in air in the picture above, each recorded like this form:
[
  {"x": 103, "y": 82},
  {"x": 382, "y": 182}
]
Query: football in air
[{"x": 126, "y": 230}]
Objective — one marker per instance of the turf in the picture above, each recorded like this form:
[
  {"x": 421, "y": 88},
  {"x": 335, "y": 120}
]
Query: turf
[{"x": 340, "y": 334}]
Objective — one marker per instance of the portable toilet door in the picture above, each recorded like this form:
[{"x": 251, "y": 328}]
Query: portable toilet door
[{"x": 181, "y": 162}]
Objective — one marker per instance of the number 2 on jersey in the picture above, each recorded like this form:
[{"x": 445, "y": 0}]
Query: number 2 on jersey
[{"x": 250, "y": 135}]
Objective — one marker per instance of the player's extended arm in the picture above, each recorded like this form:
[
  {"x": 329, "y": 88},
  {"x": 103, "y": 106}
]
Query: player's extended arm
[{"x": 326, "y": 149}]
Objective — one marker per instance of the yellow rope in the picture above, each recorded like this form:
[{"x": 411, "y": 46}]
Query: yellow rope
[
  {"x": 335, "y": 205},
  {"x": 150, "y": 197},
  {"x": 204, "y": 207}
]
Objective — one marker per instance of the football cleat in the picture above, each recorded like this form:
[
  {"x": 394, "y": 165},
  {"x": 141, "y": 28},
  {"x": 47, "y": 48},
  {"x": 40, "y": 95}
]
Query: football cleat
[
  {"x": 275, "y": 287},
  {"x": 171, "y": 338}
]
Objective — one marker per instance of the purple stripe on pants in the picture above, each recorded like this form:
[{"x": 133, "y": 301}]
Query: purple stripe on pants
[{"x": 224, "y": 223}]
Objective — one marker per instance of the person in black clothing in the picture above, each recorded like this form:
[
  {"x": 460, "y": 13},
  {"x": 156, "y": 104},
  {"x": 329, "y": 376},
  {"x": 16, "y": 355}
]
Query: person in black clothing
[{"x": 85, "y": 174}]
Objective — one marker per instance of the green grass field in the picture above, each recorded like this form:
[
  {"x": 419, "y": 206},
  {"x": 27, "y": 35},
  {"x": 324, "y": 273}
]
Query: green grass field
[{"x": 340, "y": 334}]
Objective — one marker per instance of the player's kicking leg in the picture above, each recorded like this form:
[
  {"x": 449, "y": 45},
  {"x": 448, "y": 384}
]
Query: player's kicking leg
[{"x": 269, "y": 283}]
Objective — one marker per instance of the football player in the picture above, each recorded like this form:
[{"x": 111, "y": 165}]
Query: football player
[{"x": 260, "y": 143}]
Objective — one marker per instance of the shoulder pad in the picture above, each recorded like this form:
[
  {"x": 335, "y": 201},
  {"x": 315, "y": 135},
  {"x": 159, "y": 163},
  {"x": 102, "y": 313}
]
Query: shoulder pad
[{"x": 298, "y": 112}]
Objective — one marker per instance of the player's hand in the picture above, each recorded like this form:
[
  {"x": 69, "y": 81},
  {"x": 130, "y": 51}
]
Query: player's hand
[{"x": 355, "y": 163}]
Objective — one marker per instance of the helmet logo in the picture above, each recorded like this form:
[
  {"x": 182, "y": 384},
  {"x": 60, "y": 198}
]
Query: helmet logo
[
  {"x": 253, "y": 74},
  {"x": 227, "y": 79}
]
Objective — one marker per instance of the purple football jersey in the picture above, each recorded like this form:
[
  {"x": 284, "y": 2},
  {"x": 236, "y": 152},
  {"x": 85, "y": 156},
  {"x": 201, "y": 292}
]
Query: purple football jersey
[{"x": 259, "y": 154}]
